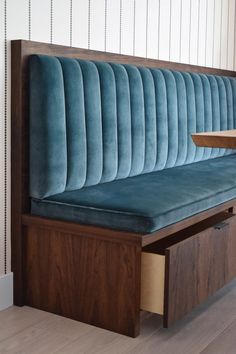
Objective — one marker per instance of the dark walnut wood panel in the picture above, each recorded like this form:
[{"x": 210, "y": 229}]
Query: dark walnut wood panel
[
  {"x": 19, "y": 163},
  {"x": 71, "y": 52},
  {"x": 197, "y": 267},
  {"x": 81, "y": 230},
  {"x": 86, "y": 279}
]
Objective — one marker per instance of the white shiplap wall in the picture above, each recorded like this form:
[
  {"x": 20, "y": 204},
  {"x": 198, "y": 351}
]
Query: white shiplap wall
[{"x": 200, "y": 32}]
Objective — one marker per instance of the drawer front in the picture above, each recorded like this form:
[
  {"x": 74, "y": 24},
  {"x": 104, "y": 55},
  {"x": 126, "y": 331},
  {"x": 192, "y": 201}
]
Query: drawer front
[{"x": 197, "y": 267}]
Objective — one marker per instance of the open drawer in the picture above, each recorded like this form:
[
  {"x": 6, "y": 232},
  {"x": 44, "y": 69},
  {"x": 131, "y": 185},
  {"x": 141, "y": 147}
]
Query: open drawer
[{"x": 181, "y": 271}]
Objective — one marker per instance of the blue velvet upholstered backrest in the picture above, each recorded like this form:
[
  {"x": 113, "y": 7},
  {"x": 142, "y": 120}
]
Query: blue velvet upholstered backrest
[{"x": 94, "y": 122}]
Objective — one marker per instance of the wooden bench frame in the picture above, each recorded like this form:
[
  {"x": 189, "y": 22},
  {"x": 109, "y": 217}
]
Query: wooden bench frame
[{"x": 96, "y": 271}]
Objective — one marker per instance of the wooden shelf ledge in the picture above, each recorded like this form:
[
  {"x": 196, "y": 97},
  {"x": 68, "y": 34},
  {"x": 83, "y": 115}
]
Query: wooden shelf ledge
[{"x": 219, "y": 139}]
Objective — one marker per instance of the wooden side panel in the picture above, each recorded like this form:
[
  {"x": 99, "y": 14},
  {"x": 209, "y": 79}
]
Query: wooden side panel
[
  {"x": 86, "y": 279},
  {"x": 30, "y": 47},
  {"x": 19, "y": 163},
  {"x": 197, "y": 267}
]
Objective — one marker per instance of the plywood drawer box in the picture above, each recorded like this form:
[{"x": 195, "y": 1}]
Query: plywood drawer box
[{"x": 180, "y": 272}]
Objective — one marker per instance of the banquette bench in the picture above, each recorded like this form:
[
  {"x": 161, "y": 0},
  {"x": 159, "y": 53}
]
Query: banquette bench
[{"x": 117, "y": 209}]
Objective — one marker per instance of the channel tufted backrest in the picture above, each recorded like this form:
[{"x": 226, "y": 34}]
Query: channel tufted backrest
[{"x": 94, "y": 122}]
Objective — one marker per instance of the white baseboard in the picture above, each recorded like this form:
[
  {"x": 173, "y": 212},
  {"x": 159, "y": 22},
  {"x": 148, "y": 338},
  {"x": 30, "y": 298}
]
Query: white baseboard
[{"x": 6, "y": 291}]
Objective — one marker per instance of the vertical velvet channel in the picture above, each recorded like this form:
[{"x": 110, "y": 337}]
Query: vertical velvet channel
[
  {"x": 95, "y": 122},
  {"x": 48, "y": 149},
  {"x": 75, "y": 124}
]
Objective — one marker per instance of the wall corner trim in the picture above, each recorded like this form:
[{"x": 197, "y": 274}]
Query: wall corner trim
[{"x": 6, "y": 290}]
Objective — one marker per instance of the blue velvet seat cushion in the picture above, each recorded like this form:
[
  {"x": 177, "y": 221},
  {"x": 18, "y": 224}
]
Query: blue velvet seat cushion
[{"x": 147, "y": 202}]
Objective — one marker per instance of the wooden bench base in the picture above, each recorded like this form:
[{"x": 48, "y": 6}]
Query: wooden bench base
[
  {"x": 83, "y": 277},
  {"x": 79, "y": 272}
]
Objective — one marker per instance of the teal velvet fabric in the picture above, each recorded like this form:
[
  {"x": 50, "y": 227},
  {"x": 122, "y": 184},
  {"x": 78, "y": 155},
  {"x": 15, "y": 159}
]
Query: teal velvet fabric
[
  {"x": 97, "y": 122},
  {"x": 48, "y": 143},
  {"x": 147, "y": 202}
]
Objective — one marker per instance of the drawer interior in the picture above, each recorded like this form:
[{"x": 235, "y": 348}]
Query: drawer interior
[{"x": 152, "y": 282}]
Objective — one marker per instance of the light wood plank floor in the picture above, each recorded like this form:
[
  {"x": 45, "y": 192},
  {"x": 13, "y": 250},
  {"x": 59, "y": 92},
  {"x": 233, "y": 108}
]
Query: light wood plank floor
[{"x": 210, "y": 329}]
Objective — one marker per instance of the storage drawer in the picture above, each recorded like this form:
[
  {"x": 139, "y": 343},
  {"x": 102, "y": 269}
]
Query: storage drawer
[{"x": 181, "y": 271}]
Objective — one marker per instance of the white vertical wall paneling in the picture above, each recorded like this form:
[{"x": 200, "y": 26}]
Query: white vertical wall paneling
[
  {"x": 61, "y": 22},
  {"x": 231, "y": 35},
  {"x": 97, "y": 24},
  {"x": 202, "y": 32},
  {"x": 152, "y": 29},
  {"x": 185, "y": 31},
  {"x": 113, "y": 26},
  {"x": 17, "y": 19},
  {"x": 194, "y": 32},
  {"x": 141, "y": 21},
  {"x": 164, "y": 50},
  {"x": 224, "y": 34},
  {"x": 2, "y": 94},
  {"x": 210, "y": 33},
  {"x": 217, "y": 34},
  {"x": 80, "y": 24},
  {"x": 175, "y": 30},
  {"x": 7, "y": 113},
  {"x": 40, "y": 20},
  {"x": 127, "y": 26}
]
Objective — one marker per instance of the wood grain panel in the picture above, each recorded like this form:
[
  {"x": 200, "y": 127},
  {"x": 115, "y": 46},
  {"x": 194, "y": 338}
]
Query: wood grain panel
[
  {"x": 2, "y": 145},
  {"x": 30, "y": 47},
  {"x": 19, "y": 165},
  {"x": 197, "y": 267},
  {"x": 219, "y": 139},
  {"x": 90, "y": 280},
  {"x": 79, "y": 229}
]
